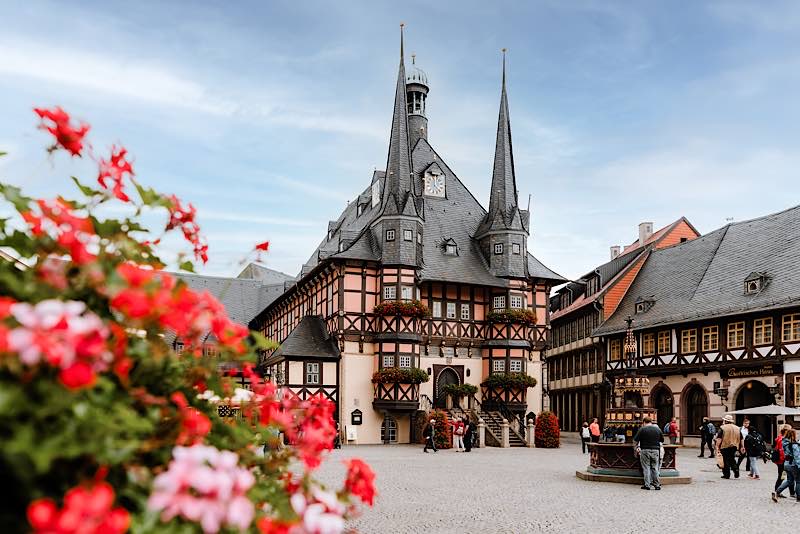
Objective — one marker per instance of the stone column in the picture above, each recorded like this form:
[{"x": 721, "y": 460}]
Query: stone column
[
  {"x": 530, "y": 433},
  {"x": 481, "y": 434},
  {"x": 505, "y": 439}
]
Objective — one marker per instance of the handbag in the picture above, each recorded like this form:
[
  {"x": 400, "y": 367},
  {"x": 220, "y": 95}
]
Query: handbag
[{"x": 720, "y": 460}]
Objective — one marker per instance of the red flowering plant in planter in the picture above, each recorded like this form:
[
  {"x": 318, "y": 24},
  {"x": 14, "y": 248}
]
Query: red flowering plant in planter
[
  {"x": 105, "y": 428},
  {"x": 407, "y": 308},
  {"x": 547, "y": 434},
  {"x": 512, "y": 315}
]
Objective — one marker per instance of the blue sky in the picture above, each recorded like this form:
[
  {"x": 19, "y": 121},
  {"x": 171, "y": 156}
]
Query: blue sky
[{"x": 269, "y": 116}]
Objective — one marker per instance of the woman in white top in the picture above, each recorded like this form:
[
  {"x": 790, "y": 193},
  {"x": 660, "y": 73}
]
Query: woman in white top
[{"x": 585, "y": 437}]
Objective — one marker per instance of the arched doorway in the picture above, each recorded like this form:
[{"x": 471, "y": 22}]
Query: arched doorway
[
  {"x": 661, "y": 400},
  {"x": 751, "y": 395},
  {"x": 389, "y": 430},
  {"x": 695, "y": 403},
  {"x": 446, "y": 376}
]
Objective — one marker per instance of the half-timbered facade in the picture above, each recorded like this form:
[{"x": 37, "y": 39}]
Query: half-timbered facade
[
  {"x": 717, "y": 322},
  {"x": 575, "y": 361},
  {"x": 415, "y": 233}
]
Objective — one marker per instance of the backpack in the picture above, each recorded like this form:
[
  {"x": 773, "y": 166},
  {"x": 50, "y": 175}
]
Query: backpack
[
  {"x": 711, "y": 429},
  {"x": 777, "y": 455},
  {"x": 666, "y": 428}
]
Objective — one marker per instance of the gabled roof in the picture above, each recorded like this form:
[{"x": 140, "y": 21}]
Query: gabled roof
[
  {"x": 659, "y": 235},
  {"x": 265, "y": 275},
  {"x": 309, "y": 339},
  {"x": 702, "y": 278}
]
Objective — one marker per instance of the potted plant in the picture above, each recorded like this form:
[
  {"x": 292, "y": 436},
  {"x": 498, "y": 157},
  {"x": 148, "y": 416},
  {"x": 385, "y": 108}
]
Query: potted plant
[
  {"x": 407, "y": 308},
  {"x": 512, "y": 316}
]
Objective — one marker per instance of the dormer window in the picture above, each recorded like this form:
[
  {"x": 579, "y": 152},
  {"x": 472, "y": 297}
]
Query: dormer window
[
  {"x": 643, "y": 305},
  {"x": 389, "y": 235},
  {"x": 755, "y": 283},
  {"x": 450, "y": 247},
  {"x": 515, "y": 248},
  {"x": 360, "y": 209},
  {"x": 376, "y": 193},
  {"x": 498, "y": 248},
  {"x": 408, "y": 235}
]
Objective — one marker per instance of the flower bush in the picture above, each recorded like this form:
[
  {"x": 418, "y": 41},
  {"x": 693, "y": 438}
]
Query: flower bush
[
  {"x": 512, "y": 315},
  {"x": 443, "y": 436},
  {"x": 509, "y": 381},
  {"x": 392, "y": 375},
  {"x": 106, "y": 429},
  {"x": 547, "y": 434},
  {"x": 410, "y": 308},
  {"x": 460, "y": 390}
]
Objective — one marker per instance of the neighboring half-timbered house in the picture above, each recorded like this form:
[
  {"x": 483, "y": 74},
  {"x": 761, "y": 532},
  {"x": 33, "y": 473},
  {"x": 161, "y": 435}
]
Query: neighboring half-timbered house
[
  {"x": 717, "y": 322},
  {"x": 575, "y": 360},
  {"x": 415, "y": 234}
]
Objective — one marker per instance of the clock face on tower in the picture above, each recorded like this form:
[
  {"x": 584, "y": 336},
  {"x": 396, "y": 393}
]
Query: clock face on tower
[{"x": 434, "y": 185}]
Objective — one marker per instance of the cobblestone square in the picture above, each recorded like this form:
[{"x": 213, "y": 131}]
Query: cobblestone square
[{"x": 535, "y": 490}]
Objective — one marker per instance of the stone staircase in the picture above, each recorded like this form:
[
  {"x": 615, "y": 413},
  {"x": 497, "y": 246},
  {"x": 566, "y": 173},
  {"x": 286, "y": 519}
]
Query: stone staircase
[{"x": 493, "y": 422}]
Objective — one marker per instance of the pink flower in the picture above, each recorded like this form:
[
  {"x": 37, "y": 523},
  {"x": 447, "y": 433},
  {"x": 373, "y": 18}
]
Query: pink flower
[
  {"x": 63, "y": 335},
  {"x": 204, "y": 485},
  {"x": 321, "y": 514}
]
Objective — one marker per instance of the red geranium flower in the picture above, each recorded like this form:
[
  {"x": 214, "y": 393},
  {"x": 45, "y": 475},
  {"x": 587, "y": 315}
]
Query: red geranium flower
[
  {"x": 263, "y": 246},
  {"x": 360, "y": 480},
  {"x": 115, "y": 169},
  {"x": 57, "y": 122}
]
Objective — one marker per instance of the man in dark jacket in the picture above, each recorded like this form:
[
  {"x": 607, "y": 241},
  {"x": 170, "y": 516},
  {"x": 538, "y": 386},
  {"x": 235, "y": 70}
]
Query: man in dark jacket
[
  {"x": 707, "y": 432},
  {"x": 469, "y": 434},
  {"x": 429, "y": 433},
  {"x": 648, "y": 441}
]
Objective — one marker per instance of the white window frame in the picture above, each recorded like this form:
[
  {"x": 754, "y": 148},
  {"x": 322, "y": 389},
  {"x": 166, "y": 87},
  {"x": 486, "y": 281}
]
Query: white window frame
[
  {"x": 390, "y": 235},
  {"x": 437, "y": 309},
  {"x": 387, "y": 361},
  {"x": 735, "y": 335},
  {"x": 406, "y": 293},
  {"x": 419, "y": 238},
  {"x": 516, "y": 248},
  {"x": 465, "y": 312},
  {"x": 498, "y": 248},
  {"x": 498, "y": 366},
  {"x": 515, "y": 301},
  {"x": 313, "y": 373},
  {"x": 405, "y": 361},
  {"x": 451, "y": 310},
  {"x": 515, "y": 365},
  {"x": 408, "y": 235},
  {"x": 499, "y": 302},
  {"x": 451, "y": 249},
  {"x": 389, "y": 292}
]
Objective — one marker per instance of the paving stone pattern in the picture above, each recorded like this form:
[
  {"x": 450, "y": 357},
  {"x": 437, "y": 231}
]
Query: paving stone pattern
[{"x": 535, "y": 490}]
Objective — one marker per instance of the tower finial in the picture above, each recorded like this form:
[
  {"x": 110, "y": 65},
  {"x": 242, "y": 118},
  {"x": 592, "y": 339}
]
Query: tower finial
[
  {"x": 413, "y": 58},
  {"x": 504, "y": 50},
  {"x": 402, "y": 25}
]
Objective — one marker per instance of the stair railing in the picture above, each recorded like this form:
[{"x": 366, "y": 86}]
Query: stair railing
[
  {"x": 425, "y": 403},
  {"x": 516, "y": 421}
]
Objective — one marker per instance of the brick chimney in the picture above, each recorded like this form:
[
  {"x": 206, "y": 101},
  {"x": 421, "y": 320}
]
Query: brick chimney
[
  {"x": 645, "y": 231},
  {"x": 615, "y": 251}
]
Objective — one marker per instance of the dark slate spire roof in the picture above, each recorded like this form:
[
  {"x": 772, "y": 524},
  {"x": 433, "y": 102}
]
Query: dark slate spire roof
[
  {"x": 398, "y": 181},
  {"x": 309, "y": 339},
  {"x": 503, "y": 202},
  {"x": 704, "y": 277}
]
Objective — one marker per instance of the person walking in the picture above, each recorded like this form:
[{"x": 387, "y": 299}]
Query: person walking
[
  {"x": 594, "y": 430},
  {"x": 458, "y": 435},
  {"x": 430, "y": 433},
  {"x": 743, "y": 454},
  {"x": 778, "y": 457},
  {"x": 673, "y": 431},
  {"x": 586, "y": 437},
  {"x": 754, "y": 449},
  {"x": 469, "y": 434},
  {"x": 648, "y": 446},
  {"x": 791, "y": 464},
  {"x": 729, "y": 440},
  {"x": 707, "y": 432}
]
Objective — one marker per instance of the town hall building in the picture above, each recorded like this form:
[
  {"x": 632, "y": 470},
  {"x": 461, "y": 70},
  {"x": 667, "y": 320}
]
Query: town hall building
[{"x": 416, "y": 274}]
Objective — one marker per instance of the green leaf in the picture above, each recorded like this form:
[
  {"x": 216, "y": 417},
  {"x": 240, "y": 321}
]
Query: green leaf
[
  {"x": 2, "y": 153},
  {"x": 151, "y": 197},
  {"x": 186, "y": 266},
  {"x": 15, "y": 196},
  {"x": 262, "y": 342},
  {"x": 85, "y": 189}
]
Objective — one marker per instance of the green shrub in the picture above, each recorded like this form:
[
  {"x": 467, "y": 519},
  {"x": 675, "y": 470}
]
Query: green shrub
[
  {"x": 444, "y": 432},
  {"x": 460, "y": 390},
  {"x": 392, "y": 375},
  {"x": 512, "y": 315},
  {"x": 509, "y": 381}
]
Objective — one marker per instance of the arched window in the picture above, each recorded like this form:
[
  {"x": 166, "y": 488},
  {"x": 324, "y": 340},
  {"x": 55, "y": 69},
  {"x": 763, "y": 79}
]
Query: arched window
[
  {"x": 389, "y": 430},
  {"x": 696, "y": 407}
]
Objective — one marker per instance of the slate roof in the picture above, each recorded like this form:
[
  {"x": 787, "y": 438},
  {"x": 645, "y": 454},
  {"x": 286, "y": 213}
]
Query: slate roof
[
  {"x": 309, "y": 339},
  {"x": 265, "y": 275},
  {"x": 455, "y": 217},
  {"x": 704, "y": 278}
]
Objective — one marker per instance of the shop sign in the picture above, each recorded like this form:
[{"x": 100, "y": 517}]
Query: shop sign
[{"x": 769, "y": 369}]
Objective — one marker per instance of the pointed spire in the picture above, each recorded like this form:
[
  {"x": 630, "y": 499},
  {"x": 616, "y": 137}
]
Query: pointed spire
[
  {"x": 398, "y": 166},
  {"x": 503, "y": 198}
]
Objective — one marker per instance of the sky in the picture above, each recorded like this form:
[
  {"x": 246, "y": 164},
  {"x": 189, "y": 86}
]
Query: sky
[{"x": 270, "y": 116}]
